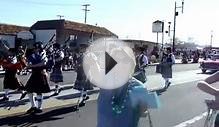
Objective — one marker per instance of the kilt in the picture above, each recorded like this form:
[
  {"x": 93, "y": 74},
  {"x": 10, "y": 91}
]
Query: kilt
[
  {"x": 38, "y": 82},
  {"x": 158, "y": 68},
  {"x": 81, "y": 82},
  {"x": 56, "y": 76},
  {"x": 166, "y": 71},
  {"x": 11, "y": 81}
]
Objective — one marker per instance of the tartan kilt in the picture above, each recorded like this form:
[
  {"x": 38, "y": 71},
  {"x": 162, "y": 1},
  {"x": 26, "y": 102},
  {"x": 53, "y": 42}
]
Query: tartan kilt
[
  {"x": 56, "y": 76},
  {"x": 38, "y": 82},
  {"x": 11, "y": 81},
  {"x": 81, "y": 82}
]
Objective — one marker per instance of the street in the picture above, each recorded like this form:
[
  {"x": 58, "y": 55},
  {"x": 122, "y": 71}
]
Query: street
[{"x": 182, "y": 105}]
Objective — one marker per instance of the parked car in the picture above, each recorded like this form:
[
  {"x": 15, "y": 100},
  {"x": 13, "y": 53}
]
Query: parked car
[{"x": 210, "y": 64}]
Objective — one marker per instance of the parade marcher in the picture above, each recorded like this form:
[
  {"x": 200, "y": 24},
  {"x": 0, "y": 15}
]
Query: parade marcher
[
  {"x": 82, "y": 83},
  {"x": 167, "y": 60},
  {"x": 20, "y": 55},
  {"x": 123, "y": 106},
  {"x": 38, "y": 81},
  {"x": 141, "y": 64},
  {"x": 50, "y": 62},
  {"x": 196, "y": 56},
  {"x": 11, "y": 82},
  {"x": 66, "y": 58},
  {"x": 56, "y": 75}
]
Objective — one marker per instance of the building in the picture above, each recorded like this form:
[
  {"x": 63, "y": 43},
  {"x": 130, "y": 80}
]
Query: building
[
  {"x": 72, "y": 33},
  {"x": 8, "y": 33},
  {"x": 148, "y": 45}
]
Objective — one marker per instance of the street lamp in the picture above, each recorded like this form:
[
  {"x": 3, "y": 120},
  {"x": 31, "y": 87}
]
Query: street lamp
[{"x": 174, "y": 24}]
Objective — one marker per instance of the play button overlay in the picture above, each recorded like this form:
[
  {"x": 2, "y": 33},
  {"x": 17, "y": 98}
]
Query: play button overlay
[{"x": 108, "y": 63}]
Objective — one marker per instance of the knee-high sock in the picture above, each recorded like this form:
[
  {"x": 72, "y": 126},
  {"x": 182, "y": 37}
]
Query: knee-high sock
[
  {"x": 39, "y": 100},
  {"x": 84, "y": 94},
  {"x": 166, "y": 81},
  {"x": 32, "y": 100},
  {"x": 6, "y": 92}
]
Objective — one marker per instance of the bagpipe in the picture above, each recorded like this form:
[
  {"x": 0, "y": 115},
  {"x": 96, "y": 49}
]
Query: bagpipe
[{"x": 11, "y": 66}]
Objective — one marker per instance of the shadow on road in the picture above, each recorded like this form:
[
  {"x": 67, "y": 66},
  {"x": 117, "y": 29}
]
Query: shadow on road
[
  {"x": 16, "y": 103},
  {"x": 25, "y": 120},
  {"x": 76, "y": 95}
]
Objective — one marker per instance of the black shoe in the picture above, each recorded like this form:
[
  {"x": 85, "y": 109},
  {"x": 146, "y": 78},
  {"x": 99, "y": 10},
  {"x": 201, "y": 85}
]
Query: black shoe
[
  {"x": 37, "y": 110},
  {"x": 59, "y": 90},
  {"x": 168, "y": 84},
  {"x": 23, "y": 95},
  {"x": 31, "y": 110},
  {"x": 86, "y": 98},
  {"x": 81, "y": 104}
]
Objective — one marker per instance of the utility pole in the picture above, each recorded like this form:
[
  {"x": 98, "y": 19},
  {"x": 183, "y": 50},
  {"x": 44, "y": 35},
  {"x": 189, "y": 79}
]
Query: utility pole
[
  {"x": 174, "y": 23},
  {"x": 169, "y": 29},
  {"x": 162, "y": 34},
  {"x": 60, "y": 16},
  {"x": 85, "y": 12},
  {"x": 211, "y": 39}
]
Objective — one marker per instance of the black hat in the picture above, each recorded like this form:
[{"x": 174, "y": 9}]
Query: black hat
[
  {"x": 38, "y": 45},
  {"x": 57, "y": 45}
]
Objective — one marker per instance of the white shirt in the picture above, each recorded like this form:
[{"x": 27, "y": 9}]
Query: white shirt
[{"x": 144, "y": 59}]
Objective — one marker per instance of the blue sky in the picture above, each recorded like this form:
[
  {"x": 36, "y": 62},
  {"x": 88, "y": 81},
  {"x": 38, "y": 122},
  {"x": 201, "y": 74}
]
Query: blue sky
[{"x": 127, "y": 18}]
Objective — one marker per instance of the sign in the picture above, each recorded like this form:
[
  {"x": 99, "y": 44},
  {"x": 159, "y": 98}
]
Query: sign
[{"x": 157, "y": 26}]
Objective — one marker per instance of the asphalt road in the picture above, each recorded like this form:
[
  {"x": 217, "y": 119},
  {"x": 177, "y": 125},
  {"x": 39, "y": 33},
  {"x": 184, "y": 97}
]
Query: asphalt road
[
  {"x": 180, "y": 103},
  {"x": 69, "y": 76}
]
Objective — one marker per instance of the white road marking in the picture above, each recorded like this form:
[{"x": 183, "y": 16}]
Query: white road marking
[{"x": 191, "y": 121}]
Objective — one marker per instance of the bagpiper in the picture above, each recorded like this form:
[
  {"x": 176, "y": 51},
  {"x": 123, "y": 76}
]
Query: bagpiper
[
  {"x": 20, "y": 53},
  {"x": 38, "y": 82},
  {"x": 11, "y": 65},
  {"x": 56, "y": 75},
  {"x": 82, "y": 83}
]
